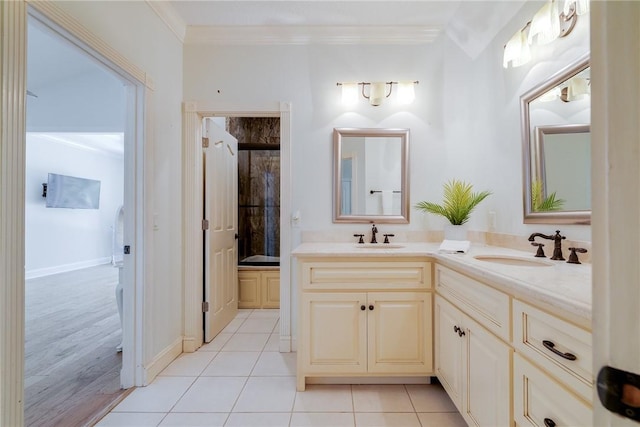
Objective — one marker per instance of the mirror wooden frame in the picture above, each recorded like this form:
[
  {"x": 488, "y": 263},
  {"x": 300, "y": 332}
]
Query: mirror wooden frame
[
  {"x": 550, "y": 217},
  {"x": 403, "y": 134}
]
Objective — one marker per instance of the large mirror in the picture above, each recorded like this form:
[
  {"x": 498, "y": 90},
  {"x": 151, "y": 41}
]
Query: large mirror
[
  {"x": 371, "y": 175},
  {"x": 556, "y": 148}
]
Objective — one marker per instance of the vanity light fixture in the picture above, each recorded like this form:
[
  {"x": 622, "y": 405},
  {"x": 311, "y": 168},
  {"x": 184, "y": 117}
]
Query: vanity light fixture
[
  {"x": 547, "y": 25},
  {"x": 377, "y": 92}
]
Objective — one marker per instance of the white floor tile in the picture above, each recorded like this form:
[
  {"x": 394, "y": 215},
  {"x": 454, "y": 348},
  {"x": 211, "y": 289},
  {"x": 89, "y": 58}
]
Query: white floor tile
[
  {"x": 272, "y": 363},
  {"x": 265, "y": 313},
  {"x": 440, "y": 419},
  {"x": 233, "y": 326},
  {"x": 257, "y": 326},
  {"x": 280, "y": 419},
  {"x": 159, "y": 396},
  {"x": 217, "y": 343},
  {"x": 324, "y": 398},
  {"x": 430, "y": 398},
  {"x": 211, "y": 394},
  {"x": 387, "y": 419},
  {"x": 267, "y": 394},
  {"x": 246, "y": 342},
  {"x": 322, "y": 419},
  {"x": 194, "y": 419},
  {"x": 381, "y": 398},
  {"x": 273, "y": 344},
  {"x": 232, "y": 364},
  {"x": 276, "y": 327},
  {"x": 243, "y": 313},
  {"x": 131, "y": 419},
  {"x": 189, "y": 364}
]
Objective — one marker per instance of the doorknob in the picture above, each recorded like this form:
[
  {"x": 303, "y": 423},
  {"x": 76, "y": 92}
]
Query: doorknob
[{"x": 236, "y": 236}]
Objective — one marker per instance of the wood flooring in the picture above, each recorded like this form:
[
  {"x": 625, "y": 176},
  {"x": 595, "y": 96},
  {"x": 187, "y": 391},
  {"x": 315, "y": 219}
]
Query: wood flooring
[{"x": 72, "y": 328}]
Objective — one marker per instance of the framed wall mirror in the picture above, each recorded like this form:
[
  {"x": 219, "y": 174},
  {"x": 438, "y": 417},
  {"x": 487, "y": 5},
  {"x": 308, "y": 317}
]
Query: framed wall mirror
[
  {"x": 556, "y": 148},
  {"x": 371, "y": 175}
]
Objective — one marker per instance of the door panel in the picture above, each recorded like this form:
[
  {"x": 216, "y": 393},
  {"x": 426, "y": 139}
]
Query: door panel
[
  {"x": 390, "y": 350},
  {"x": 220, "y": 204}
]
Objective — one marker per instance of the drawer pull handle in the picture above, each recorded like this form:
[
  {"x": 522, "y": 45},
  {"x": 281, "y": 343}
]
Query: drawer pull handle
[
  {"x": 548, "y": 422},
  {"x": 458, "y": 330},
  {"x": 363, "y": 308},
  {"x": 551, "y": 346}
]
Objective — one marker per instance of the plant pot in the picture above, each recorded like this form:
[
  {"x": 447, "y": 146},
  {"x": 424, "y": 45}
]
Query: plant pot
[{"x": 455, "y": 232}]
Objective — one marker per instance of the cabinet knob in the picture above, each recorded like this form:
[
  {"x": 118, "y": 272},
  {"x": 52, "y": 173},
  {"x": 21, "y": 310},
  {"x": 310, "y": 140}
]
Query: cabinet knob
[
  {"x": 371, "y": 307},
  {"x": 548, "y": 422},
  {"x": 363, "y": 308}
]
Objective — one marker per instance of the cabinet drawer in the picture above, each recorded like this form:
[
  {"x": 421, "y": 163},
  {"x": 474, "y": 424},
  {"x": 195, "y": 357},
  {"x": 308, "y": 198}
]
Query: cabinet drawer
[
  {"x": 538, "y": 398},
  {"x": 486, "y": 305},
  {"x": 559, "y": 347},
  {"x": 366, "y": 275}
]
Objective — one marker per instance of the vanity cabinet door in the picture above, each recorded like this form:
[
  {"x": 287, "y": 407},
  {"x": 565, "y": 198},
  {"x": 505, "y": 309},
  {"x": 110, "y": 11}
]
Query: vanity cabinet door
[
  {"x": 487, "y": 363},
  {"x": 449, "y": 349},
  {"x": 399, "y": 332},
  {"x": 335, "y": 337},
  {"x": 271, "y": 289}
]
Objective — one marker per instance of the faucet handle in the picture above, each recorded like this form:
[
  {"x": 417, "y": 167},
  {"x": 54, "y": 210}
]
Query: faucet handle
[
  {"x": 361, "y": 236},
  {"x": 573, "y": 256},
  {"x": 386, "y": 237},
  {"x": 540, "y": 251}
]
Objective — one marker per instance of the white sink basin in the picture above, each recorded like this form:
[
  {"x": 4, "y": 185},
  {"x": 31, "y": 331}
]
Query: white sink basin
[
  {"x": 513, "y": 260},
  {"x": 378, "y": 246}
]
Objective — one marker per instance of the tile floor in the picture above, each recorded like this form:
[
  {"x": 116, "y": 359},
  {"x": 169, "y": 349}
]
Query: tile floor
[{"x": 240, "y": 379}]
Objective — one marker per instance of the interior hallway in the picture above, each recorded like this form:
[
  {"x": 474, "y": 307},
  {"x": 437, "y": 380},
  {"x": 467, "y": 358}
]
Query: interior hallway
[
  {"x": 240, "y": 379},
  {"x": 72, "y": 369}
]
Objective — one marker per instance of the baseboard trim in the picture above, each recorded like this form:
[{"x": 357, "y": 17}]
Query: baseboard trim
[
  {"x": 162, "y": 360},
  {"x": 47, "y": 271},
  {"x": 285, "y": 344},
  {"x": 368, "y": 380},
  {"x": 189, "y": 345}
]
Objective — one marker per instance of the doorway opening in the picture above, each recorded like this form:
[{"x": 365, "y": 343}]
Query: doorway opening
[{"x": 83, "y": 131}]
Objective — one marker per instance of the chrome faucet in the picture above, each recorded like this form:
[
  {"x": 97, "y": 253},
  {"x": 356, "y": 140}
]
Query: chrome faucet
[
  {"x": 557, "y": 243},
  {"x": 374, "y": 230}
]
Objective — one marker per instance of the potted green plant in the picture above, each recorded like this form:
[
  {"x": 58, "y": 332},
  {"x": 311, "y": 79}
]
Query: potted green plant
[{"x": 458, "y": 203}]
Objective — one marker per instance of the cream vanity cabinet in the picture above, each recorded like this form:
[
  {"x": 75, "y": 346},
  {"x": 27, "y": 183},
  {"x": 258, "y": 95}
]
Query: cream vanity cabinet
[
  {"x": 364, "y": 317},
  {"x": 259, "y": 288},
  {"x": 473, "y": 358},
  {"x": 552, "y": 369}
]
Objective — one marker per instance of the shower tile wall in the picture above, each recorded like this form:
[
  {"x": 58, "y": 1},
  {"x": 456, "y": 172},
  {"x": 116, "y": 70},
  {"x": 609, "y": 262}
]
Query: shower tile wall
[{"x": 258, "y": 186}]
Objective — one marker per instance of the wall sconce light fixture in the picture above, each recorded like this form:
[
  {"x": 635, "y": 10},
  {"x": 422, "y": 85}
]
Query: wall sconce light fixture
[
  {"x": 547, "y": 25},
  {"x": 377, "y": 92}
]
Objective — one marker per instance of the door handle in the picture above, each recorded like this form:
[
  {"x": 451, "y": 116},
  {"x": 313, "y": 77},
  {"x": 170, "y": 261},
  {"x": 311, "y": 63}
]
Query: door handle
[{"x": 236, "y": 236}]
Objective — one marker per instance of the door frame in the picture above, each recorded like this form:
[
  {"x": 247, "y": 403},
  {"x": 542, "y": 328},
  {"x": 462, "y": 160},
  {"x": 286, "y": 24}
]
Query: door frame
[
  {"x": 193, "y": 114},
  {"x": 13, "y": 48}
]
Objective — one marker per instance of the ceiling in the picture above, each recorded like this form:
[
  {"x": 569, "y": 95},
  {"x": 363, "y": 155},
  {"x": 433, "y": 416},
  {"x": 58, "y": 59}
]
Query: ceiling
[{"x": 471, "y": 24}]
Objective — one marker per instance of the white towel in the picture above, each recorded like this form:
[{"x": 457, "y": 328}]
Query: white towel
[
  {"x": 454, "y": 246},
  {"x": 386, "y": 200}
]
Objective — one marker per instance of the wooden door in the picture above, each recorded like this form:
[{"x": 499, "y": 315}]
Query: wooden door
[
  {"x": 399, "y": 332},
  {"x": 615, "y": 88},
  {"x": 221, "y": 206}
]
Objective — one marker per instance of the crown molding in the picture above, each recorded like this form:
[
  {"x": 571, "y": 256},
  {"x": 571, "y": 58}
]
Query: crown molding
[
  {"x": 170, "y": 17},
  {"x": 304, "y": 35}
]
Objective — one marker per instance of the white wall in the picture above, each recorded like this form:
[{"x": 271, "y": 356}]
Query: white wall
[
  {"x": 135, "y": 31},
  {"x": 465, "y": 121},
  {"x": 483, "y": 121},
  {"x": 91, "y": 102},
  {"x": 66, "y": 239}
]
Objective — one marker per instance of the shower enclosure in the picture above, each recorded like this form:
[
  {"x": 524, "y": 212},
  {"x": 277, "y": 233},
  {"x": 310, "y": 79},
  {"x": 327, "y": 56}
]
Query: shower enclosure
[{"x": 258, "y": 189}]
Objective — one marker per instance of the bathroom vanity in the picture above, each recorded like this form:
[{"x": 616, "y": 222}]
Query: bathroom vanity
[{"x": 507, "y": 335}]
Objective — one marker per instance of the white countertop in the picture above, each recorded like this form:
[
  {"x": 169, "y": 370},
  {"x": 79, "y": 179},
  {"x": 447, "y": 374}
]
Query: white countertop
[{"x": 561, "y": 286}]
